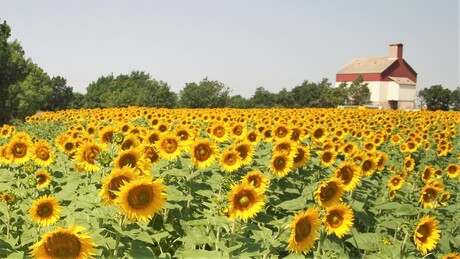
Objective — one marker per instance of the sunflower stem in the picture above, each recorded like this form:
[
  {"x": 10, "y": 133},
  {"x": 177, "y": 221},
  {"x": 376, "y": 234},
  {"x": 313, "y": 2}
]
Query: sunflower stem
[
  {"x": 403, "y": 246},
  {"x": 356, "y": 243},
  {"x": 118, "y": 237},
  {"x": 7, "y": 222},
  {"x": 232, "y": 237}
]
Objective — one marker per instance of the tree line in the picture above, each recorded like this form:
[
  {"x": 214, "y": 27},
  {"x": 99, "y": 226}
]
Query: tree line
[{"x": 26, "y": 89}]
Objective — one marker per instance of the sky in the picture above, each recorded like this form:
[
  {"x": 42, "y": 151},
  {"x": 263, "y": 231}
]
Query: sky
[{"x": 244, "y": 44}]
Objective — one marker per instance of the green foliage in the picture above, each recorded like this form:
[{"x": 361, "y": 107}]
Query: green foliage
[
  {"x": 438, "y": 98},
  {"x": 358, "y": 92},
  {"x": 206, "y": 94},
  {"x": 136, "y": 89}
]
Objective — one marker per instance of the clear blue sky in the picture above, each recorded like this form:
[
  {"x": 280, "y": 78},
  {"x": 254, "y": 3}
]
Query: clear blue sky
[{"x": 244, "y": 44}]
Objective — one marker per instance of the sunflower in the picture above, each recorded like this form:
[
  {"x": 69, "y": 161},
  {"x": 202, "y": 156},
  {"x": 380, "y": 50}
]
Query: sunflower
[
  {"x": 151, "y": 153},
  {"x": 130, "y": 141},
  {"x": 112, "y": 183},
  {"x": 106, "y": 134},
  {"x": 238, "y": 130},
  {"x": 5, "y": 158},
  {"x": 218, "y": 131},
  {"x": 142, "y": 198},
  {"x": 42, "y": 154},
  {"x": 281, "y": 164},
  {"x": 453, "y": 255},
  {"x": 368, "y": 166},
  {"x": 86, "y": 155},
  {"x": 350, "y": 175},
  {"x": 327, "y": 157},
  {"x": 428, "y": 174},
  {"x": 134, "y": 158},
  {"x": 302, "y": 156},
  {"x": 429, "y": 196},
  {"x": 19, "y": 149},
  {"x": 409, "y": 163},
  {"x": 204, "y": 153},
  {"x": 443, "y": 198},
  {"x": 245, "y": 150},
  {"x": 281, "y": 131},
  {"x": 427, "y": 234},
  {"x": 338, "y": 219},
  {"x": 329, "y": 192},
  {"x": 396, "y": 182},
  {"x": 152, "y": 136},
  {"x": 253, "y": 136},
  {"x": 303, "y": 231},
  {"x": 319, "y": 134},
  {"x": 348, "y": 148},
  {"x": 453, "y": 170},
  {"x": 43, "y": 178},
  {"x": 8, "y": 197},
  {"x": 230, "y": 160},
  {"x": 169, "y": 146},
  {"x": 45, "y": 211},
  {"x": 64, "y": 243},
  {"x": 245, "y": 201},
  {"x": 257, "y": 179},
  {"x": 285, "y": 146}
]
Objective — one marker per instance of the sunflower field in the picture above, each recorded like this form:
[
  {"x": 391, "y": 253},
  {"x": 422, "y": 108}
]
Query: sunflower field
[{"x": 235, "y": 183}]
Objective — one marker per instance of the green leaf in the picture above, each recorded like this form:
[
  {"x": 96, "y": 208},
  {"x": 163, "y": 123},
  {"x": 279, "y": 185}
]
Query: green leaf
[
  {"x": 364, "y": 241},
  {"x": 294, "y": 204},
  {"x": 192, "y": 253}
]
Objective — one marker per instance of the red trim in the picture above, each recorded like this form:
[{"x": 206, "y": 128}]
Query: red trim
[{"x": 397, "y": 69}]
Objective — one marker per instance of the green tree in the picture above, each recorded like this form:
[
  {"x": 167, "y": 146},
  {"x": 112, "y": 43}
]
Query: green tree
[
  {"x": 62, "y": 95},
  {"x": 358, "y": 92},
  {"x": 310, "y": 94},
  {"x": 31, "y": 95},
  {"x": 238, "y": 101},
  {"x": 284, "y": 98},
  {"x": 136, "y": 89},
  {"x": 77, "y": 101},
  {"x": 262, "y": 98},
  {"x": 455, "y": 99},
  {"x": 336, "y": 96},
  {"x": 206, "y": 94},
  {"x": 436, "y": 97},
  {"x": 13, "y": 68}
]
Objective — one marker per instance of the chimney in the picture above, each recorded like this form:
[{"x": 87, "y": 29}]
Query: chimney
[{"x": 396, "y": 51}]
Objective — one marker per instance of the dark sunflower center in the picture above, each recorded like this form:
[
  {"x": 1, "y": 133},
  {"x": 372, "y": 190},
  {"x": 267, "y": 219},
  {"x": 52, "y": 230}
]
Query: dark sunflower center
[
  {"x": 255, "y": 181},
  {"x": 91, "y": 154},
  {"x": 114, "y": 185},
  {"x": 318, "y": 133},
  {"x": 128, "y": 160},
  {"x": 20, "y": 150},
  {"x": 424, "y": 232},
  {"x": 43, "y": 154},
  {"x": 367, "y": 165},
  {"x": 203, "y": 152},
  {"x": 45, "y": 210},
  {"x": 140, "y": 197},
  {"x": 244, "y": 201},
  {"x": 219, "y": 132},
  {"x": 328, "y": 192},
  {"x": 252, "y": 137},
  {"x": 63, "y": 245},
  {"x": 327, "y": 157},
  {"x": 302, "y": 229},
  {"x": 279, "y": 163},
  {"x": 336, "y": 219},
  {"x": 237, "y": 130},
  {"x": 230, "y": 159},
  {"x": 41, "y": 179},
  {"x": 281, "y": 132},
  {"x": 170, "y": 146},
  {"x": 243, "y": 152}
]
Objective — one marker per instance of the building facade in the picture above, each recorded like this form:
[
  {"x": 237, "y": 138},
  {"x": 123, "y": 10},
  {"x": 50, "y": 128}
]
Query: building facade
[{"x": 391, "y": 80}]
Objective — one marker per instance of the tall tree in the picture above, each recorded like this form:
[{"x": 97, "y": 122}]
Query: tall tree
[
  {"x": 31, "y": 95},
  {"x": 13, "y": 68},
  {"x": 62, "y": 95},
  {"x": 262, "y": 98},
  {"x": 137, "y": 89},
  {"x": 206, "y": 94},
  {"x": 358, "y": 92},
  {"x": 455, "y": 99},
  {"x": 310, "y": 94},
  {"x": 436, "y": 97}
]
